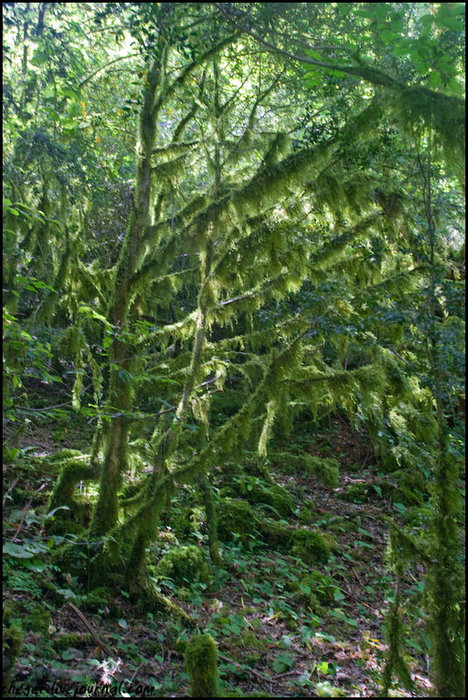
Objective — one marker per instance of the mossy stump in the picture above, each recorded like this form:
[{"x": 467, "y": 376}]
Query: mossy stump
[
  {"x": 12, "y": 643},
  {"x": 201, "y": 662}
]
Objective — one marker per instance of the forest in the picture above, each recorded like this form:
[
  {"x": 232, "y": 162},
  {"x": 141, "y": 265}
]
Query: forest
[{"x": 233, "y": 349}]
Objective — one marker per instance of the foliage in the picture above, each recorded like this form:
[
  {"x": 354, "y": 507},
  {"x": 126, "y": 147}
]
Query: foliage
[{"x": 221, "y": 222}]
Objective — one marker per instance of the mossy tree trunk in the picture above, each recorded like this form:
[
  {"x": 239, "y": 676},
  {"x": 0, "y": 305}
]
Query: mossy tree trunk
[
  {"x": 121, "y": 352},
  {"x": 445, "y": 584}
]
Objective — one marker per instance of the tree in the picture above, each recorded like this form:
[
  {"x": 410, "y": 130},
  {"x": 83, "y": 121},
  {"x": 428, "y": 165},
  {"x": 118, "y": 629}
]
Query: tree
[{"x": 266, "y": 243}]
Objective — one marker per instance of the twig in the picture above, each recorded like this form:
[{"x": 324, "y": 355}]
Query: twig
[
  {"x": 287, "y": 673},
  {"x": 134, "y": 674},
  {"x": 241, "y": 666},
  {"x": 96, "y": 637},
  {"x": 10, "y": 489},
  {"x": 25, "y": 510}
]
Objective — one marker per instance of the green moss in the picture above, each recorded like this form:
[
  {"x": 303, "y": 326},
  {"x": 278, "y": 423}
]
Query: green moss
[
  {"x": 184, "y": 564},
  {"x": 38, "y": 620},
  {"x": 75, "y": 467},
  {"x": 325, "y": 468},
  {"x": 256, "y": 491},
  {"x": 97, "y": 597},
  {"x": 254, "y": 646},
  {"x": 149, "y": 599},
  {"x": 235, "y": 516},
  {"x": 306, "y": 515},
  {"x": 201, "y": 662},
  {"x": 311, "y": 547},
  {"x": 274, "y": 533},
  {"x": 12, "y": 642}
]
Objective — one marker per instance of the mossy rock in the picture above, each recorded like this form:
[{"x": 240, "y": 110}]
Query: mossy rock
[
  {"x": 325, "y": 468},
  {"x": 275, "y": 534},
  {"x": 236, "y": 516},
  {"x": 271, "y": 495},
  {"x": 184, "y": 564},
  {"x": 310, "y": 546}
]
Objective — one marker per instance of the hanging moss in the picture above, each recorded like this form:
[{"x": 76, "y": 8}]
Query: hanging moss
[{"x": 201, "y": 662}]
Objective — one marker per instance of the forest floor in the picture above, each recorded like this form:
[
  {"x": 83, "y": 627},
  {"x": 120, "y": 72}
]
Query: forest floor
[{"x": 273, "y": 640}]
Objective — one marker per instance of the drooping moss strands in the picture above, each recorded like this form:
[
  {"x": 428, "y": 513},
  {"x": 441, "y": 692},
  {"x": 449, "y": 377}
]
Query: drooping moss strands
[
  {"x": 201, "y": 662},
  {"x": 160, "y": 486}
]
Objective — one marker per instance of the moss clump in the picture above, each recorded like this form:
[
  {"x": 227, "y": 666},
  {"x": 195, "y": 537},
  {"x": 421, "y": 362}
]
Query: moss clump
[
  {"x": 311, "y": 547},
  {"x": 75, "y": 467},
  {"x": 201, "y": 662},
  {"x": 236, "y": 516},
  {"x": 38, "y": 620},
  {"x": 273, "y": 495},
  {"x": 185, "y": 564},
  {"x": 275, "y": 534},
  {"x": 325, "y": 468},
  {"x": 306, "y": 515},
  {"x": 12, "y": 643}
]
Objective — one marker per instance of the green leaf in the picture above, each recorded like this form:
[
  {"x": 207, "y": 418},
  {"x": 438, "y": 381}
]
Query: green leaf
[
  {"x": 124, "y": 376},
  {"x": 387, "y": 36},
  {"x": 435, "y": 79},
  {"x": 283, "y": 662},
  {"x": 285, "y": 641},
  {"x": 49, "y": 515},
  {"x": 19, "y": 551}
]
